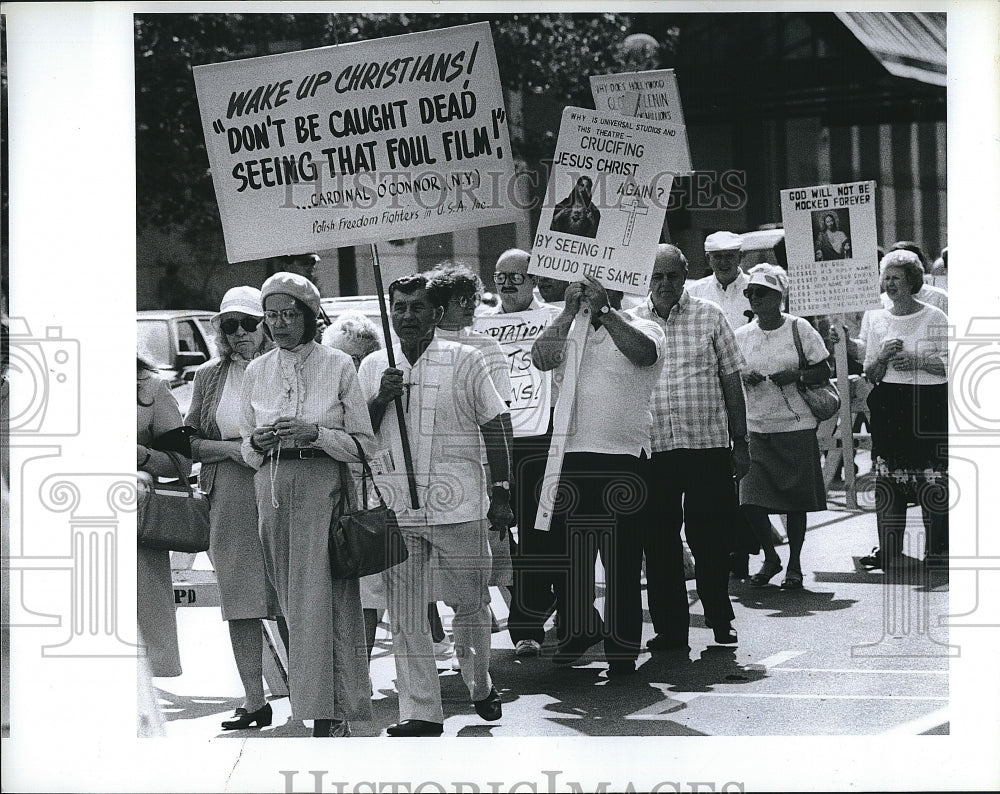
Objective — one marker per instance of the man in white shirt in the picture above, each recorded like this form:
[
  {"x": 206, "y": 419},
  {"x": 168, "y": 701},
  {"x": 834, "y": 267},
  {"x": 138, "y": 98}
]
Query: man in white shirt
[
  {"x": 452, "y": 410},
  {"x": 726, "y": 284},
  {"x": 601, "y": 486}
]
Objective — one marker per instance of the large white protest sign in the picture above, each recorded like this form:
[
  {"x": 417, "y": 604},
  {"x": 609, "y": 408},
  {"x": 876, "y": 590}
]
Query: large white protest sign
[
  {"x": 648, "y": 95},
  {"x": 516, "y": 333},
  {"x": 612, "y": 177},
  {"x": 391, "y": 138},
  {"x": 831, "y": 243}
]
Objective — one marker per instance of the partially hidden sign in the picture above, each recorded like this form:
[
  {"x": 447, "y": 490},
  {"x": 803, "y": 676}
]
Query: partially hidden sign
[
  {"x": 608, "y": 194},
  {"x": 649, "y": 95},
  {"x": 832, "y": 247},
  {"x": 377, "y": 140},
  {"x": 516, "y": 333}
]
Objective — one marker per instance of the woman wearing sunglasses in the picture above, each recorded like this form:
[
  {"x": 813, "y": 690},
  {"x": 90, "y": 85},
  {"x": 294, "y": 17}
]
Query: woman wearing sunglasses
[
  {"x": 785, "y": 475},
  {"x": 235, "y": 548}
]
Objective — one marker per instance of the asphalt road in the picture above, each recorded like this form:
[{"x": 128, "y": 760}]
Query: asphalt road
[{"x": 851, "y": 654}]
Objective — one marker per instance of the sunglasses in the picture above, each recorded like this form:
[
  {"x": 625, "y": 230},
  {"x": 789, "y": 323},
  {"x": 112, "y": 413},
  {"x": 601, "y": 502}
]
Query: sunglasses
[
  {"x": 759, "y": 292},
  {"x": 248, "y": 324},
  {"x": 516, "y": 279}
]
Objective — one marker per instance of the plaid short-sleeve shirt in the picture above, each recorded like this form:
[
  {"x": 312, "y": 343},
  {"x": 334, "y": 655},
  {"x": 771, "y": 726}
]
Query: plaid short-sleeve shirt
[{"x": 689, "y": 408}]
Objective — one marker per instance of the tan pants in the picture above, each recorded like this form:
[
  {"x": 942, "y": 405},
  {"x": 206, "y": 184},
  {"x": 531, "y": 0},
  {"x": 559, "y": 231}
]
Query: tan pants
[{"x": 453, "y": 561}]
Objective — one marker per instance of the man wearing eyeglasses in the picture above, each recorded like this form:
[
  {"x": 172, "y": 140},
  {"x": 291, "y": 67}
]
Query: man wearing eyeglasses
[
  {"x": 724, "y": 287},
  {"x": 698, "y": 410},
  {"x": 532, "y": 598}
]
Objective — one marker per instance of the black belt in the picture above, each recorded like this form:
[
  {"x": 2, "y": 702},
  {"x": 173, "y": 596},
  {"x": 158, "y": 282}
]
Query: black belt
[{"x": 301, "y": 454}]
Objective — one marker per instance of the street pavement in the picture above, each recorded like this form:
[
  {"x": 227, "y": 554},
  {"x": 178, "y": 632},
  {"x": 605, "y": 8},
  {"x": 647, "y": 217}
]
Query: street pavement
[{"x": 853, "y": 653}]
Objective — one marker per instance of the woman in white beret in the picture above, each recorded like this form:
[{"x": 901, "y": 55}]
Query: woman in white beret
[
  {"x": 785, "y": 475},
  {"x": 302, "y": 414}
]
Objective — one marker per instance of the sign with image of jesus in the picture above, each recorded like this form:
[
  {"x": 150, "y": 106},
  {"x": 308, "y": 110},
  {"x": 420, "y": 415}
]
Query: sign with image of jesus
[
  {"x": 649, "y": 95},
  {"x": 831, "y": 242},
  {"x": 385, "y": 139},
  {"x": 607, "y": 197}
]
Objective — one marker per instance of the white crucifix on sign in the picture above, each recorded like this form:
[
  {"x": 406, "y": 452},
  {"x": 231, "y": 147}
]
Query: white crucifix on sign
[{"x": 633, "y": 207}]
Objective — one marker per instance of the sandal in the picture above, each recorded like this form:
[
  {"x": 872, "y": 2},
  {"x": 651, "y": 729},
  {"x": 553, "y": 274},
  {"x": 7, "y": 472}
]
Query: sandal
[
  {"x": 873, "y": 560},
  {"x": 793, "y": 581},
  {"x": 766, "y": 573}
]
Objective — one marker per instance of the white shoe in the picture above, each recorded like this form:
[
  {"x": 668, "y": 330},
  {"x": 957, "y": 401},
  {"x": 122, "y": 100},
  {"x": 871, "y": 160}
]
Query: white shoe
[
  {"x": 527, "y": 648},
  {"x": 444, "y": 650}
]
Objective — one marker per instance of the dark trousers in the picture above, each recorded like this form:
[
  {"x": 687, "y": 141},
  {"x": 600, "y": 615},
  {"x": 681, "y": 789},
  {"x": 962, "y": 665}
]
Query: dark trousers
[
  {"x": 536, "y": 555},
  {"x": 693, "y": 487},
  {"x": 891, "y": 500},
  {"x": 598, "y": 511}
]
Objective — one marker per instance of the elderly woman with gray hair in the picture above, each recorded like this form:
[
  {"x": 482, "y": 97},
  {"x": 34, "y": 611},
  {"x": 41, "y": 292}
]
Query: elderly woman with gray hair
[
  {"x": 214, "y": 416},
  {"x": 785, "y": 475},
  {"x": 906, "y": 357}
]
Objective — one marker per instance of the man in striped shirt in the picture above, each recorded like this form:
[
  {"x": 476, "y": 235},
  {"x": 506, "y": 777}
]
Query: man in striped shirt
[{"x": 698, "y": 410}]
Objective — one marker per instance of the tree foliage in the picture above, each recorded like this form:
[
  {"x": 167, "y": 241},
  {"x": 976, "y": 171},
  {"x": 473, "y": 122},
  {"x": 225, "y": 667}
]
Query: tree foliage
[{"x": 550, "y": 54}]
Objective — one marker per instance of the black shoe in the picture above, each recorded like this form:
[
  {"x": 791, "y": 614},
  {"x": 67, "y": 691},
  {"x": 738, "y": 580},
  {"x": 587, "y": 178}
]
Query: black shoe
[
  {"x": 873, "y": 560},
  {"x": 621, "y": 667},
  {"x": 573, "y": 650},
  {"x": 247, "y": 719},
  {"x": 725, "y": 634},
  {"x": 325, "y": 729},
  {"x": 415, "y": 728},
  {"x": 489, "y": 708},
  {"x": 663, "y": 643}
]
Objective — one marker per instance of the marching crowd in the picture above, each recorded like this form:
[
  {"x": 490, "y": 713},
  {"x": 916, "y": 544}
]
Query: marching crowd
[{"x": 684, "y": 410}]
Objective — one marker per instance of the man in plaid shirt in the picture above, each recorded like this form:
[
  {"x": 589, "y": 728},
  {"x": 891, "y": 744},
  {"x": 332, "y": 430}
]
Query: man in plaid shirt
[{"x": 698, "y": 411}]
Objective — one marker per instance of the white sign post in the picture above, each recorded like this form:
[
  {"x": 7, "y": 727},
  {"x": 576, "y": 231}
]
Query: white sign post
[
  {"x": 608, "y": 193},
  {"x": 647, "y": 95},
  {"x": 385, "y": 139},
  {"x": 831, "y": 241}
]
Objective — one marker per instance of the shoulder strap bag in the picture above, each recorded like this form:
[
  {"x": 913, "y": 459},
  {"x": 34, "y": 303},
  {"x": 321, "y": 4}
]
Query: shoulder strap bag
[
  {"x": 363, "y": 540},
  {"x": 822, "y": 398},
  {"x": 174, "y": 515}
]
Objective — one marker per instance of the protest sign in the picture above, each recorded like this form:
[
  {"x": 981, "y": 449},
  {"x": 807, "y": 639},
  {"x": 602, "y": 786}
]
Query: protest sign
[
  {"x": 516, "y": 333},
  {"x": 376, "y": 140},
  {"x": 831, "y": 243},
  {"x": 614, "y": 176},
  {"x": 647, "y": 95}
]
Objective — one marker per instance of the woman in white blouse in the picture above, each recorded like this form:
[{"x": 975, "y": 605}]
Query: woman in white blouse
[
  {"x": 906, "y": 357},
  {"x": 217, "y": 442},
  {"x": 302, "y": 410},
  {"x": 785, "y": 475}
]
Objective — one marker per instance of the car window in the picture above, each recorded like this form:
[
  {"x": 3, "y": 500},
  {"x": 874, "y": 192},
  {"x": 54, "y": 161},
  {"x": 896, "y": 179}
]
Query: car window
[
  {"x": 208, "y": 332},
  {"x": 190, "y": 339},
  {"x": 153, "y": 338}
]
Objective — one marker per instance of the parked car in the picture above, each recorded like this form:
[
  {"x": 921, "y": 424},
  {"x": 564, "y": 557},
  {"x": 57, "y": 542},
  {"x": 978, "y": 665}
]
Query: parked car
[
  {"x": 763, "y": 245},
  {"x": 177, "y": 341}
]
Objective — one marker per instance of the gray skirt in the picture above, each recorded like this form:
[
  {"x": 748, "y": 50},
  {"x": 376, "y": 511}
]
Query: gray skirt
[{"x": 785, "y": 475}]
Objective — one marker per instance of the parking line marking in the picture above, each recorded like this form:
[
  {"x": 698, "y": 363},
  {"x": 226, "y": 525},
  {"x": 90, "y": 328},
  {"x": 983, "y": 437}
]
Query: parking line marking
[
  {"x": 920, "y": 724},
  {"x": 852, "y": 671},
  {"x": 778, "y": 658}
]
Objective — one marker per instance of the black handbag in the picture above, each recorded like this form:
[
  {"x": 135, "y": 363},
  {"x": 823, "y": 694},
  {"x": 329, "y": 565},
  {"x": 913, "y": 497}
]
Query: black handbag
[
  {"x": 363, "y": 541},
  {"x": 822, "y": 397},
  {"x": 173, "y": 516}
]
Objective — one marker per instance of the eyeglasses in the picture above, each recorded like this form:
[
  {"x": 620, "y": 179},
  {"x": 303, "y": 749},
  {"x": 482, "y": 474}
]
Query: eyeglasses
[
  {"x": 516, "y": 279},
  {"x": 248, "y": 324},
  {"x": 287, "y": 316},
  {"x": 759, "y": 292},
  {"x": 468, "y": 301}
]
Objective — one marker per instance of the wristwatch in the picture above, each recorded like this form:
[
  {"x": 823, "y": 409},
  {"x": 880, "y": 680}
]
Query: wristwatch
[
  {"x": 605, "y": 309},
  {"x": 505, "y": 484}
]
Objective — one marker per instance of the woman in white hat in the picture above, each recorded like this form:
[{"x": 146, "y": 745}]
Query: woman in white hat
[
  {"x": 302, "y": 414},
  {"x": 217, "y": 442},
  {"x": 785, "y": 475}
]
